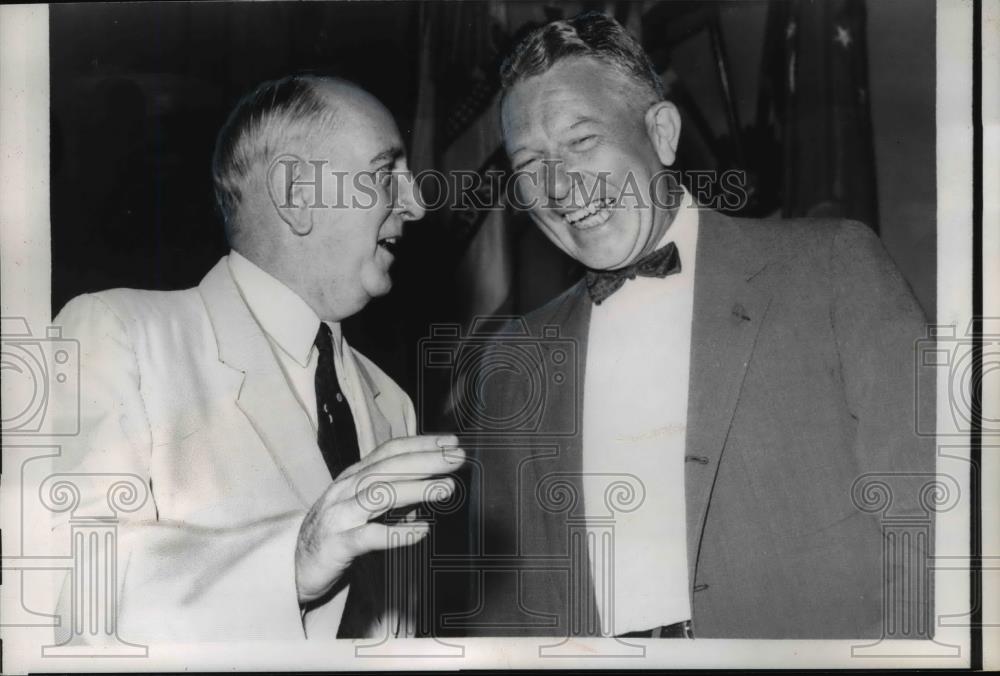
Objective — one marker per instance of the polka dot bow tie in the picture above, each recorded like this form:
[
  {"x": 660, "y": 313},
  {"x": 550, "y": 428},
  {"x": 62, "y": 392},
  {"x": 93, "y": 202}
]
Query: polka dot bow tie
[{"x": 601, "y": 284}]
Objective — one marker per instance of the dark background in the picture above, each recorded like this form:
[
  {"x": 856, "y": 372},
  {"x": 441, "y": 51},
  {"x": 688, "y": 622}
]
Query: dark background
[{"x": 138, "y": 92}]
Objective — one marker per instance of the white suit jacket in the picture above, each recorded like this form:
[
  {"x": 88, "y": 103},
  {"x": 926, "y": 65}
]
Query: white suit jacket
[{"x": 182, "y": 390}]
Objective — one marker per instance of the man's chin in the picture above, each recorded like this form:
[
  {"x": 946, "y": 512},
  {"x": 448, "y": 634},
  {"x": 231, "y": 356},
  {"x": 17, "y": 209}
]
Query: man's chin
[
  {"x": 375, "y": 279},
  {"x": 378, "y": 293},
  {"x": 606, "y": 252},
  {"x": 375, "y": 290},
  {"x": 603, "y": 261}
]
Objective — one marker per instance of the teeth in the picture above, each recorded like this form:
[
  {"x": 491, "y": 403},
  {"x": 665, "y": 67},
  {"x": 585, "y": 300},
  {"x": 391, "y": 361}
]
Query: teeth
[
  {"x": 388, "y": 243},
  {"x": 597, "y": 206}
]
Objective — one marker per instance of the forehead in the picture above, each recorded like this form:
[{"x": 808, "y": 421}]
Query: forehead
[
  {"x": 360, "y": 126},
  {"x": 572, "y": 90}
]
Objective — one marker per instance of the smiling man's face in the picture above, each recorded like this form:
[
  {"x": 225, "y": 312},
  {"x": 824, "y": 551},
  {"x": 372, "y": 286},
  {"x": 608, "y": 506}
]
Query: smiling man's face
[{"x": 585, "y": 154}]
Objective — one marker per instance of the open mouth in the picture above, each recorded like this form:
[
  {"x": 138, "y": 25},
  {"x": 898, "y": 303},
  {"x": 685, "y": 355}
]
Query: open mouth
[
  {"x": 390, "y": 244},
  {"x": 594, "y": 214}
]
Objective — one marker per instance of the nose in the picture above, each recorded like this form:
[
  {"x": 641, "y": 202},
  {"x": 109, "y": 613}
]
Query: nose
[
  {"x": 558, "y": 183},
  {"x": 410, "y": 205}
]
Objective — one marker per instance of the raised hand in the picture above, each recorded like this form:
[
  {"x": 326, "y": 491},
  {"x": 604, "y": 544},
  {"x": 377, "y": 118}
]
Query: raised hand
[{"x": 340, "y": 525}]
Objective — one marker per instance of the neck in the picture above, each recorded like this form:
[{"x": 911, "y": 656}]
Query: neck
[
  {"x": 673, "y": 197},
  {"x": 274, "y": 261}
]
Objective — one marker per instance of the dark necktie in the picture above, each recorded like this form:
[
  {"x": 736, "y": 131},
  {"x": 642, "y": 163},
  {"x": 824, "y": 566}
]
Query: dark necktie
[
  {"x": 338, "y": 442},
  {"x": 337, "y": 438},
  {"x": 660, "y": 263}
]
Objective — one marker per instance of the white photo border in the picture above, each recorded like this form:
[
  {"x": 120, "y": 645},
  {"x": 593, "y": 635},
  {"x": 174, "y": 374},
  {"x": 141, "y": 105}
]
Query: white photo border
[{"x": 25, "y": 281}]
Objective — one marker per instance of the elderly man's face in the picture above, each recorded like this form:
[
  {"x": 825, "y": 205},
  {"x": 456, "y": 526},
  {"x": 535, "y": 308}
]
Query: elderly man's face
[
  {"x": 368, "y": 194},
  {"x": 585, "y": 156}
]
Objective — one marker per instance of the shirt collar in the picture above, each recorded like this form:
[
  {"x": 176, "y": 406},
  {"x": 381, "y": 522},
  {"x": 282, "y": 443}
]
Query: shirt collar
[{"x": 282, "y": 314}]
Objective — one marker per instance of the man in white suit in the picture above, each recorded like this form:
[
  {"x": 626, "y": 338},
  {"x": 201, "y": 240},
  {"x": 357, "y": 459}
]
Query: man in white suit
[{"x": 255, "y": 427}]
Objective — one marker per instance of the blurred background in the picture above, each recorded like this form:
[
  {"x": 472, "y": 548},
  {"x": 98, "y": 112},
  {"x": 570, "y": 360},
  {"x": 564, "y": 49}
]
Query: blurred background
[{"x": 827, "y": 106}]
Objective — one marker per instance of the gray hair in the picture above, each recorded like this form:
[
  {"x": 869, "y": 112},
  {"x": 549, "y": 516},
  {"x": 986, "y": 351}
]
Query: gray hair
[
  {"x": 591, "y": 34},
  {"x": 259, "y": 128}
]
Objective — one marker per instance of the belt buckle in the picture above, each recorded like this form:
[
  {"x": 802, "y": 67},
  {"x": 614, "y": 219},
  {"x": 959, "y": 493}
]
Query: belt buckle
[{"x": 669, "y": 630}]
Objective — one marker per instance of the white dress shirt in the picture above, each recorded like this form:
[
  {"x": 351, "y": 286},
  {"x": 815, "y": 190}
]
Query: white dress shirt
[
  {"x": 635, "y": 423},
  {"x": 291, "y": 326}
]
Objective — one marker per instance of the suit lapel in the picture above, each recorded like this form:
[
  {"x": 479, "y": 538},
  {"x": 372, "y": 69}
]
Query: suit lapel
[
  {"x": 562, "y": 405},
  {"x": 729, "y": 308},
  {"x": 264, "y": 395},
  {"x": 565, "y": 404}
]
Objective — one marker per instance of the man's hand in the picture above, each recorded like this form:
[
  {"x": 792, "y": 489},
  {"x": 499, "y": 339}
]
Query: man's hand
[{"x": 339, "y": 527}]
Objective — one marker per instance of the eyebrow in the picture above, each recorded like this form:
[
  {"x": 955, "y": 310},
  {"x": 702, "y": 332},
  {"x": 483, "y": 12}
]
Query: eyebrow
[
  {"x": 393, "y": 153},
  {"x": 582, "y": 120}
]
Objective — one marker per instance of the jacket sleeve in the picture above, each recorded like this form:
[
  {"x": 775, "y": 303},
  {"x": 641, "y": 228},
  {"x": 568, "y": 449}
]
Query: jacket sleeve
[
  {"x": 877, "y": 323},
  {"x": 174, "y": 581}
]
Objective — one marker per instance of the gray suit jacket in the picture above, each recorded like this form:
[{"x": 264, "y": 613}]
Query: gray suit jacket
[{"x": 802, "y": 397}]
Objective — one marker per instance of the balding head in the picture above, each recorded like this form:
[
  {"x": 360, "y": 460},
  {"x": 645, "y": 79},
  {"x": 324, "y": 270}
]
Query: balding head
[
  {"x": 283, "y": 116},
  {"x": 311, "y": 178}
]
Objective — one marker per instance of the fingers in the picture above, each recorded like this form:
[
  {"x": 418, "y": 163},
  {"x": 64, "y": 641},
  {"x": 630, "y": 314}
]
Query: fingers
[
  {"x": 376, "y": 497},
  {"x": 408, "y": 467},
  {"x": 372, "y": 537},
  {"x": 394, "y": 460},
  {"x": 415, "y": 465},
  {"x": 394, "y": 475},
  {"x": 317, "y": 569},
  {"x": 446, "y": 445}
]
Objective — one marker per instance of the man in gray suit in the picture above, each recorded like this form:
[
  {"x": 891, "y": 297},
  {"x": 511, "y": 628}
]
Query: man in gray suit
[{"x": 714, "y": 389}]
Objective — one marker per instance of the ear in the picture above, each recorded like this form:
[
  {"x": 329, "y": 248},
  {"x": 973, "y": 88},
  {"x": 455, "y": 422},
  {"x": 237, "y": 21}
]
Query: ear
[
  {"x": 663, "y": 124},
  {"x": 288, "y": 199}
]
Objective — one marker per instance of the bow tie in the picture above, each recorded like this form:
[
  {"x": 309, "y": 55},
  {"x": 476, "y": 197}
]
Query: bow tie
[{"x": 660, "y": 263}]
